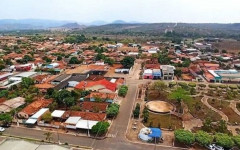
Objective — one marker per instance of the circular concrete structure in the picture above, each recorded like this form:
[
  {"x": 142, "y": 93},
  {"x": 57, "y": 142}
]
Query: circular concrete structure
[{"x": 159, "y": 107}]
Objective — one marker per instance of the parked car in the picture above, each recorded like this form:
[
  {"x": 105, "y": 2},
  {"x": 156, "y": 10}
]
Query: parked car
[
  {"x": 215, "y": 147},
  {"x": 2, "y": 129}
]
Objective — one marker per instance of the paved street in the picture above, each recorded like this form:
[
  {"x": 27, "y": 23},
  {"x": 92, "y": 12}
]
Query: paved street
[{"x": 118, "y": 128}]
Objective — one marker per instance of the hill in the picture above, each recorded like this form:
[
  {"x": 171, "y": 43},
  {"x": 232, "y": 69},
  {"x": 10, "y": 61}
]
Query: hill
[{"x": 169, "y": 29}]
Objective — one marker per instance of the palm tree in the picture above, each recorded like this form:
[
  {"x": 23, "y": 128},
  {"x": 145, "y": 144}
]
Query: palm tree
[{"x": 48, "y": 136}]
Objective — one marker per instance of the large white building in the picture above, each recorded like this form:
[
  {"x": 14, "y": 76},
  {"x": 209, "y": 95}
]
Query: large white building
[{"x": 167, "y": 72}]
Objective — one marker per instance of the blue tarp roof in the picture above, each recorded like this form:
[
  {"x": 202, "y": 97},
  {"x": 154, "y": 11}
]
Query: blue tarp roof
[{"x": 156, "y": 133}]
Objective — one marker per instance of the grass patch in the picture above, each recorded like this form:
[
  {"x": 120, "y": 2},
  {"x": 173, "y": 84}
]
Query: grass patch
[
  {"x": 199, "y": 110},
  {"x": 164, "y": 121},
  {"x": 225, "y": 108}
]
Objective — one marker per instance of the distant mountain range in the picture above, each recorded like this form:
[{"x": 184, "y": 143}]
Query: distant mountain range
[
  {"x": 127, "y": 28},
  {"x": 36, "y": 24}
]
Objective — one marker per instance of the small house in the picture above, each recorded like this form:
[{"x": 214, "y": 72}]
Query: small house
[{"x": 148, "y": 74}]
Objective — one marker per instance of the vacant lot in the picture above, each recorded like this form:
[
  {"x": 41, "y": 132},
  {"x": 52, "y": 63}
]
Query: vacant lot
[{"x": 229, "y": 45}]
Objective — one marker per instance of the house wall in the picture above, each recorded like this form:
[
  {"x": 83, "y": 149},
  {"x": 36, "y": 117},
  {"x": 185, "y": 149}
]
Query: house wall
[
  {"x": 95, "y": 88},
  {"x": 23, "y": 115},
  {"x": 105, "y": 91},
  {"x": 148, "y": 76}
]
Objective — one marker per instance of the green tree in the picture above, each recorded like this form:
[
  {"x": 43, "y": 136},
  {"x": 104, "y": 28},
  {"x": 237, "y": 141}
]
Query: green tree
[
  {"x": 224, "y": 140},
  {"x": 50, "y": 92},
  {"x": 27, "y": 82},
  {"x": 163, "y": 58},
  {"x": 2, "y": 67},
  {"x": 74, "y": 60},
  {"x": 128, "y": 62},
  {"x": 53, "y": 106},
  {"x": 224, "y": 51},
  {"x": 8, "y": 62},
  {"x": 75, "y": 39},
  {"x": 112, "y": 110},
  {"x": 203, "y": 138},
  {"x": 222, "y": 126},
  {"x": 123, "y": 90},
  {"x": 184, "y": 136},
  {"x": 180, "y": 95},
  {"x": 100, "y": 128},
  {"x": 61, "y": 95},
  {"x": 5, "y": 118},
  {"x": 59, "y": 58},
  {"x": 4, "y": 93},
  {"x": 186, "y": 63},
  {"x": 46, "y": 59},
  {"x": 207, "y": 125},
  {"x": 178, "y": 72},
  {"x": 47, "y": 117},
  {"x": 109, "y": 61},
  {"x": 100, "y": 56},
  {"x": 28, "y": 58},
  {"x": 145, "y": 114},
  {"x": 69, "y": 101},
  {"x": 136, "y": 111},
  {"x": 75, "y": 108},
  {"x": 236, "y": 139},
  {"x": 159, "y": 86}
]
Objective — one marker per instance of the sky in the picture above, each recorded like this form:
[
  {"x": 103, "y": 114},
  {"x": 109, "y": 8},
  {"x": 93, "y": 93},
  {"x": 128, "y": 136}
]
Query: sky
[{"x": 150, "y": 11}]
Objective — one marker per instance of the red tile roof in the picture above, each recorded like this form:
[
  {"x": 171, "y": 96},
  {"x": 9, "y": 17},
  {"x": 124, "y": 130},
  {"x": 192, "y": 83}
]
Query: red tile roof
[
  {"x": 107, "y": 84},
  {"x": 87, "y": 115},
  {"x": 152, "y": 66},
  {"x": 94, "y": 106},
  {"x": 36, "y": 105}
]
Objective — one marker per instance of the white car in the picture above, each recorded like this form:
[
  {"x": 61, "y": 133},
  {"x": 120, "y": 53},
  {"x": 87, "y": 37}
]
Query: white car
[
  {"x": 215, "y": 147},
  {"x": 2, "y": 129}
]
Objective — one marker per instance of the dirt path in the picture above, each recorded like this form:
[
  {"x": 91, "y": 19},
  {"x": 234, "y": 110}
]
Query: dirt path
[
  {"x": 189, "y": 125},
  {"x": 205, "y": 102},
  {"x": 233, "y": 105}
]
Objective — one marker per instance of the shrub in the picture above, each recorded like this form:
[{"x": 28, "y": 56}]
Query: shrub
[
  {"x": 4, "y": 93},
  {"x": 136, "y": 111},
  {"x": 213, "y": 86},
  {"x": 184, "y": 136},
  {"x": 202, "y": 85},
  {"x": 233, "y": 87},
  {"x": 172, "y": 84},
  {"x": 224, "y": 140},
  {"x": 47, "y": 117},
  {"x": 236, "y": 139},
  {"x": 203, "y": 138},
  {"x": 223, "y": 86},
  {"x": 238, "y": 86},
  {"x": 184, "y": 85},
  {"x": 192, "y": 84}
]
